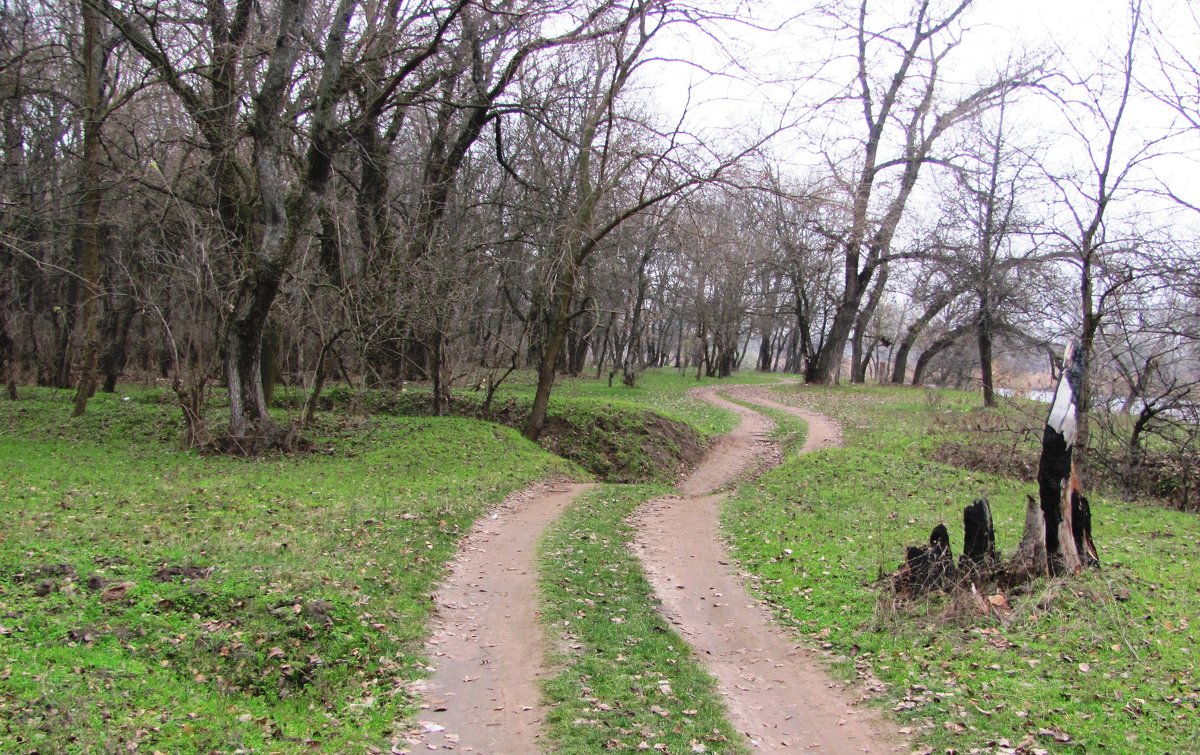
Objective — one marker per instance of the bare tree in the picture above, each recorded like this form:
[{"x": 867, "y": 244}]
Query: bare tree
[
  {"x": 899, "y": 106},
  {"x": 1102, "y": 248}
]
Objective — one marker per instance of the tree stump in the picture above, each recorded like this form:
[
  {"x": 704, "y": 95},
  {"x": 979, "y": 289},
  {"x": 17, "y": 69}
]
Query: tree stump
[
  {"x": 1057, "y": 540},
  {"x": 979, "y": 538}
]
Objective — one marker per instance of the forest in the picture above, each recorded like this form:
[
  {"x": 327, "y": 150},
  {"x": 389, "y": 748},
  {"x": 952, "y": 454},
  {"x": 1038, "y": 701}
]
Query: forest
[
  {"x": 523, "y": 376},
  {"x": 236, "y": 195}
]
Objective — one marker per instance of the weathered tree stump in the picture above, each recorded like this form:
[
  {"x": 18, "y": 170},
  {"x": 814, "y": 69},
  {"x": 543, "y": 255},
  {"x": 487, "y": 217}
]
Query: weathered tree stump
[
  {"x": 928, "y": 567},
  {"x": 1057, "y": 540},
  {"x": 1029, "y": 562},
  {"x": 979, "y": 538}
]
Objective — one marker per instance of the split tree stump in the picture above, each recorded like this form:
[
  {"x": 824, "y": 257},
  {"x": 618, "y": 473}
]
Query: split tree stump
[{"x": 1057, "y": 540}]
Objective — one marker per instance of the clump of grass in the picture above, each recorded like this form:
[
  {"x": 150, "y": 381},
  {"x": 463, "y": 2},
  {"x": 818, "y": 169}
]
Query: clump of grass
[
  {"x": 626, "y": 680},
  {"x": 171, "y": 601},
  {"x": 1105, "y": 661}
]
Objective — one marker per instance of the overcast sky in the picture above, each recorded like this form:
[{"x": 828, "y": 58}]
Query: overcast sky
[{"x": 1081, "y": 33}]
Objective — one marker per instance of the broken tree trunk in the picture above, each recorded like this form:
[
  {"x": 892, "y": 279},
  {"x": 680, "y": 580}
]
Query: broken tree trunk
[
  {"x": 979, "y": 538},
  {"x": 1068, "y": 547},
  {"x": 1029, "y": 562},
  {"x": 927, "y": 567},
  {"x": 1057, "y": 540}
]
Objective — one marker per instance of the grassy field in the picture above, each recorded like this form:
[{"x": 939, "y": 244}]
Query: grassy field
[
  {"x": 649, "y": 433},
  {"x": 185, "y": 603},
  {"x": 1106, "y": 662},
  {"x": 177, "y": 602}
]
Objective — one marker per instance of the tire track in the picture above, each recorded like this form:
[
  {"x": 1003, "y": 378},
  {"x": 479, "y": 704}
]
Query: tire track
[{"x": 776, "y": 693}]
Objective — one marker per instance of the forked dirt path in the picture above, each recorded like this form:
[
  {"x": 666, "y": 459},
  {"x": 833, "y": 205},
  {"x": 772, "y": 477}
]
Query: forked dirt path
[
  {"x": 776, "y": 693},
  {"x": 487, "y": 645}
]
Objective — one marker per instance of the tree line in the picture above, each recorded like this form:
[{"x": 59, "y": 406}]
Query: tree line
[{"x": 236, "y": 193}]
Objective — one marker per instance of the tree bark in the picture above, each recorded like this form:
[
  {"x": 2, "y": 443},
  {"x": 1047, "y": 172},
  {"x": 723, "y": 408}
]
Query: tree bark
[
  {"x": 8, "y": 366},
  {"x": 91, "y": 196},
  {"x": 900, "y": 367},
  {"x": 984, "y": 335},
  {"x": 860, "y": 361},
  {"x": 283, "y": 218},
  {"x": 117, "y": 335},
  {"x": 564, "y": 292},
  {"x": 935, "y": 348},
  {"x": 633, "y": 354}
]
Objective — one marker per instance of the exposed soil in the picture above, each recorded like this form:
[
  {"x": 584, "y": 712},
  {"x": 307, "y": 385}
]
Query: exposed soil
[
  {"x": 777, "y": 693},
  {"x": 183, "y": 573},
  {"x": 617, "y": 445},
  {"x": 488, "y": 645}
]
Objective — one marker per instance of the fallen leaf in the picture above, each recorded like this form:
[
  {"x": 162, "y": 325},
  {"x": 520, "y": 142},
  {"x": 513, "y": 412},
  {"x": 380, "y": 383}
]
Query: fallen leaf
[
  {"x": 117, "y": 591},
  {"x": 1056, "y": 733}
]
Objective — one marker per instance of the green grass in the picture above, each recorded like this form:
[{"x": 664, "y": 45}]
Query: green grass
[
  {"x": 664, "y": 391},
  {"x": 627, "y": 681},
  {"x": 1108, "y": 659},
  {"x": 648, "y": 434},
  {"x": 307, "y": 631}
]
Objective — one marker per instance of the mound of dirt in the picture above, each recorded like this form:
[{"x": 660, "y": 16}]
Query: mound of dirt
[
  {"x": 626, "y": 446},
  {"x": 616, "y": 443}
]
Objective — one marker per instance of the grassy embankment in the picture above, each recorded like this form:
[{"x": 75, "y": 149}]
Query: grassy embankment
[
  {"x": 1104, "y": 662},
  {"x": 187, "y": 603}
]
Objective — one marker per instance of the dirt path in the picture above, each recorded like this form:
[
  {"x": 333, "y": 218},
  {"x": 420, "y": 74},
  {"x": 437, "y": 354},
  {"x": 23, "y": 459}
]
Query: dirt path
[
  {"x": 777, "y": 694},
  {"x": 487, "y": 644}
]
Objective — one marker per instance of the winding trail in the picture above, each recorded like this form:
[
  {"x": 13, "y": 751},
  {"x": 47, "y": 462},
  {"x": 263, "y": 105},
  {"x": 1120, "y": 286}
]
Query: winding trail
[
  {"x": 776, "y": 693},
  {"x": 488, "y": 645}
]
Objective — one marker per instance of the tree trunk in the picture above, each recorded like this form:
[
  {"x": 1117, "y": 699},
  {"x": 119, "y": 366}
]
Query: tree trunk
[
  {"x": 243, "y": 353},
  {"x": 1058, "y": 484},
  {"x": 900, "y": 368},
  {"x": 120, "y": 323},
  {"x": 87, "y": 232},
  {"x": 283, "y": 218},
  {"x": 560, "y": 322},
  {"x": 633, "y": 354},
  {"x": 860, "y": 359},
  {"x": 765, "y": 352},
  {"x": 824, "y": 369},
  {"x": 984, "y": 333},
  {"x": 314, "y": 396},
  {"x": 437, "y": 374},
  {"x": 8, "y": 366},
  {"x": 935, "y": 348}
]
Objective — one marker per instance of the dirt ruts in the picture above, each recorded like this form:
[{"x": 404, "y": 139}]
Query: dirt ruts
[
  {"x": 488, "y": 646},
  {"x": 777, "y": 693}
]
